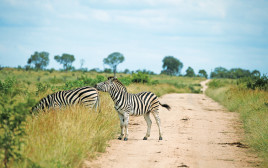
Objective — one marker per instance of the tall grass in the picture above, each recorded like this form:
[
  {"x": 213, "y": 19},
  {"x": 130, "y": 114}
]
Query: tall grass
[
  {"x": 63, "y": 138},
  {"x": 253, "y": 108}
]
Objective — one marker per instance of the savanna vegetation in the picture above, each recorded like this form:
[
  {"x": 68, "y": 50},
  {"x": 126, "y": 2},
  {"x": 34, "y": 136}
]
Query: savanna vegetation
[
  {"x": 64, "y": 138},
  {"x": 248, "y": 97}
]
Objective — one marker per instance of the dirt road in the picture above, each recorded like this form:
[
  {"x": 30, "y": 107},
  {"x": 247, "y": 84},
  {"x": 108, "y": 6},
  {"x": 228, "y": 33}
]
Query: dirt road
[{"x": 197, "y": 133}]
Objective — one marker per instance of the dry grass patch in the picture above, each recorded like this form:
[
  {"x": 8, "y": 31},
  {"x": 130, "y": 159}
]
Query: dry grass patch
[{"x": 63, "y": 138}]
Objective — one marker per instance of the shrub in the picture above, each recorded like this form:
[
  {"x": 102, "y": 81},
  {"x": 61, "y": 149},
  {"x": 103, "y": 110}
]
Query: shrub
[
  {"x": 140, "y": 77},
  {"x": 83, "y": 81},
  {"x": 254, "y": 82},
  {"x": 42, "y": 87},
  {"x": 7, "y": 86},
  {"x": 51, "y": 70},
  {"x": 155, "y": 82},
  {"x": 260, "y": 83},
  {"x": 125, "y": 80},
  {"x": 12, "y": 118},
  {"x": 73, "y": 84},
  {"x": 193, "y": 89},
  {"x": 91, "y": 81}
]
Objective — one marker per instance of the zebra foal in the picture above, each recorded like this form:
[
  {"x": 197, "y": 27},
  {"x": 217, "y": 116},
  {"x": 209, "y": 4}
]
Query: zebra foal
[
  {"x": 127, "y": 104},
  {"x": 87, "y": 96}
]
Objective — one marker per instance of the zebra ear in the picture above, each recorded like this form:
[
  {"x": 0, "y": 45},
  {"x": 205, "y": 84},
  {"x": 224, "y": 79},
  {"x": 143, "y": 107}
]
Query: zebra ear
[{"x": 111, "y": 77}]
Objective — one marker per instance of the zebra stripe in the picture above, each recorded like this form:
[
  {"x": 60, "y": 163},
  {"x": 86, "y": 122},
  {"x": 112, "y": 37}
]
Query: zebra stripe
[
  {"x": 127, "y": 104},
  {"x": 87, "y": 96}
]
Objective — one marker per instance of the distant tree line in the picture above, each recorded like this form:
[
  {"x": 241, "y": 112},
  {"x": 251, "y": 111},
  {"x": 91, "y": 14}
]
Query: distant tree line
[
  {"x": 234, "y": 73},
  {"x": 171, "y": 66}
]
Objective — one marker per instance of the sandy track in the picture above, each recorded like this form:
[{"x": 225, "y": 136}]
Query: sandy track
[{"x": 198, "y": 132}]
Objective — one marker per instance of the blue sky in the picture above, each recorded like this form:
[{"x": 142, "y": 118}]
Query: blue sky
[{"x": 203, "y": 34}]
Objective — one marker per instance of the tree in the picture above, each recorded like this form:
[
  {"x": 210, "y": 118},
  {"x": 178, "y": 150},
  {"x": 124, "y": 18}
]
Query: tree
[
  {"x": 190, "y": 72},
  {"x": 126, "y": 71},
  {"x": 66, "y": 60},
  {"x": 39, "y": 59},
  {"x": 113, "y": 60},
  {"x": 236, "y": 73},
  {"x": 219, "y": 72},
  {"x": 256, "y": 73},
  {"x": 171, "y": 66},
  {"x": 203, "y": 73},
  {"x": 82, "y": 61}
]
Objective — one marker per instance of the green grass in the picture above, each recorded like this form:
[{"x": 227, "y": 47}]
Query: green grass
[
  {"x": 183, "y": 84},
  {"x": 253, "y": 108}
]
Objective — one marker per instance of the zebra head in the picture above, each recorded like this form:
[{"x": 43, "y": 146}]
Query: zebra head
[{"x": 112, "y": 82}]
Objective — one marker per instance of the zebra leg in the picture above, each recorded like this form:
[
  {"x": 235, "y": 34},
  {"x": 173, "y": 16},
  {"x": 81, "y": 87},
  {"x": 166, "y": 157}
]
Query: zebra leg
[
  {"x": 158, "y": 122},
  {"x": 121, "y": 117},
  {"x": 149, "y": 124},
  {"x": 97, "y": 104},
  {"x": 126, "y": 119}
]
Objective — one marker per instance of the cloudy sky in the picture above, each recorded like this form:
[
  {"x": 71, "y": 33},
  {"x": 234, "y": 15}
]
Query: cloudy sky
[{"x": 203, "y": 34}]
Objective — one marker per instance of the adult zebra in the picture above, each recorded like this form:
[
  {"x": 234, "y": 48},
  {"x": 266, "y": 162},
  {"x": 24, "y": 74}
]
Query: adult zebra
[
  {"x": 86, "y": 95},
  {"x": 127, "y": 104}
]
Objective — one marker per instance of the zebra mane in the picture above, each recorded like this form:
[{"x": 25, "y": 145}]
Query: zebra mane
[{"x": 114, "y": 79}]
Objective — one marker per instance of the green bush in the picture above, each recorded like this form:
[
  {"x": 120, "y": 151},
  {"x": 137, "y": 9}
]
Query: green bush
[
  {"x": 260, "y": 83},
  {"x": 125, "y": 80},
  {"x": 73, "y": 84},
  {"x": 12, "y": 122},
  {"x": 91, "y": 81},
  {"x": 7, "y": 86},
  {"x": 193, "y": 89},
  {"x": 155, "y": 82},
  {"x": 83, "y": 81},
  {"x": 51, "y": 70},
  {"x": 140, "y": 77},
  {"x": 42, "y": 87}
]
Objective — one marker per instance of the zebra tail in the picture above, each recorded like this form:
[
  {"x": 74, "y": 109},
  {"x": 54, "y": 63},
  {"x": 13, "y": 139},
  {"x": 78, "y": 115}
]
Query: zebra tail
[{"x": 165, "y": 105}]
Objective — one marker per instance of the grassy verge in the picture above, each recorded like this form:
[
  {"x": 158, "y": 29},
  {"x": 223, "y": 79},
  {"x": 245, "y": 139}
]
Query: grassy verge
[
  {"x": 253, "y": 108},
  {"x": 64, "y": 138}
]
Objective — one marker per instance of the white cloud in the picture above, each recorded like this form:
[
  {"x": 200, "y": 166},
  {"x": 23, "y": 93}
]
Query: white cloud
[
  {"x": 74, "y": 16},
  {"x": 101, "y": 15}
]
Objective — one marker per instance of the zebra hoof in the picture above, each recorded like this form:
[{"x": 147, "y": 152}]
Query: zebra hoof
[
  {"x": 160, "y": 138},
  {"x": 125, "y": 139},
  {"x": 145, "y": 138},
  {"x": 119, "y": 138}
]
